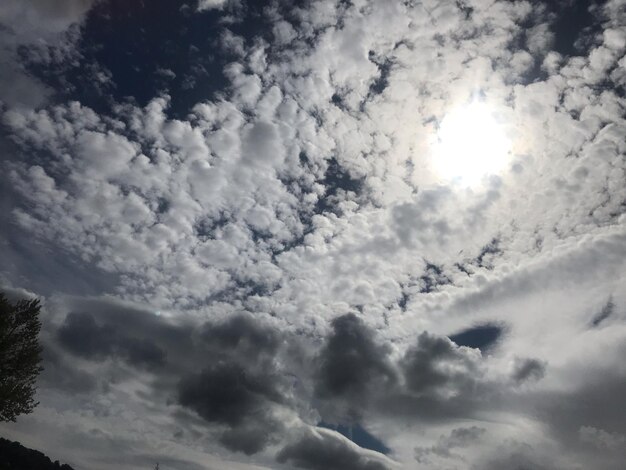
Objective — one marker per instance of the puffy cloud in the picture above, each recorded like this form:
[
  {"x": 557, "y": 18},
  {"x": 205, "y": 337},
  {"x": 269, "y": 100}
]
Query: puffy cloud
[
  {"x": 210, "y": 4},
  {"x": 226, "y": 393},
  {"x": 33, "y": 26},
  {"x": 352, "y": 365},
  {"x": 436, "y": 366}
]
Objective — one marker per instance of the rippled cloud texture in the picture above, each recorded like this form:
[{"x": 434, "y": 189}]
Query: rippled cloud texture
[{"x": 248, "y": 258}]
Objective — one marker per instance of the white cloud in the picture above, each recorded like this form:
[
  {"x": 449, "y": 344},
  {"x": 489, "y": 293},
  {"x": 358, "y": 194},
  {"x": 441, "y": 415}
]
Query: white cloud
[
  {"x": 33, "y": 24},
  {"x": 211, "y": 4}
]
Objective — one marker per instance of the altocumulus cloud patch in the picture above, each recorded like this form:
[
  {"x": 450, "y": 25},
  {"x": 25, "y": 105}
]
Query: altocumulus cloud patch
[{"x": 237, "y": 217}]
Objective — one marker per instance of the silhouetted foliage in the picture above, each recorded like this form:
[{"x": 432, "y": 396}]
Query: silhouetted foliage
[
  {"x": 14, "y": 456},
  {"x": 20, "y": 356}
]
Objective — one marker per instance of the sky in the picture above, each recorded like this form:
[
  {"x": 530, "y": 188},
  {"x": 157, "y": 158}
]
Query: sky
[{"x": 319, "y": 234}]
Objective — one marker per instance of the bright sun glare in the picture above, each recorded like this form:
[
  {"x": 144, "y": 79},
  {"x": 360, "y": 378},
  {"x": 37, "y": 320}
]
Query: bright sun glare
[{"x": 470, "y": 144}]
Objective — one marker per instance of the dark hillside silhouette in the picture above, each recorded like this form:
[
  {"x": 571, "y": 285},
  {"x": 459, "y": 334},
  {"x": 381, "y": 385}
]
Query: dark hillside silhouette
[{"x": 14, "y": 456}]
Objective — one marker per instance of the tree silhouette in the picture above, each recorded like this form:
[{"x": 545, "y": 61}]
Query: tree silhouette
[{"x": 20, "y": 356}]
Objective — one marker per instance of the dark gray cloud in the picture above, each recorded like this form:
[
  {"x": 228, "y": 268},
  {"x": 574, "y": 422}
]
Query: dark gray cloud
[
  {"x": 242, "y": 333},
  {"x": 238, "y": 384},
  {"x": 322, "y": 450},
  {"x": 227, "y": 393},
  {"x": 528, "y": 369},
  {"x": 252, "y": 437},
  {"x": 100, "y": 329},
  {"x": 239, "y": 374},
  {"x": 436, "y": 366},
  {"x": 82, "y": 335},
  {"x": 356, "y": 375},
  {"x": 352, "y": 363}
]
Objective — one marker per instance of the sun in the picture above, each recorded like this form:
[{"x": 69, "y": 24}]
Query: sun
[{"x": 470, "y": 144}]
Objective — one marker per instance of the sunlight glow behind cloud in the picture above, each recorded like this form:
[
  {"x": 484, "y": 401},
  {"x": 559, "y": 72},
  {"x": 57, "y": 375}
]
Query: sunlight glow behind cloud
[{"x": 470, "y": 144}]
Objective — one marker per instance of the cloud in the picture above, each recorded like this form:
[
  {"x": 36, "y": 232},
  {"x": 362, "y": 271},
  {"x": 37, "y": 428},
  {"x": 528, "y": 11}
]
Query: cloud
[
  {"x": 82, "y": 335},
  {"x": 458, "y": 438},
  {"x": 600, "y": 438},
  {"x": 31, "y": 27},
  {"x": 211, "y": 4},
  {"x": 239, "y": 389},
  {"x": 352, "y": 364},
  {"x": 528, "y": 369},
  {"x": 241, "y": 386},
  {"x": 279, "y": 207},
  {"x": 226, "y": 393},
  {"x": 320, "y": 448},
  {"x": 244, "y": 334},
  {"x": 436, "y": 366}
]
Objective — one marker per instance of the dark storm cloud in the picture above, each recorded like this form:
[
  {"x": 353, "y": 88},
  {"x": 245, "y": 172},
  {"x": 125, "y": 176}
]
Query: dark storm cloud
[
  {"x": 228, "y": 394},
  {"x": 352, "y": 362},
  {"x": 238, "y": 385},
  {"x": 241, "y": 385},
  {"x": 82, "y": 335},
  {"x": 252, "y": 437},
  {"x": 239, "y": 374},
  {"x": 97, "y": 330},
  {"x": 320, "y": 450},
  {"x": 436, "y": 365},
  {"x": 243, "y": 333},
  {"x": 433, "y": 380}
]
